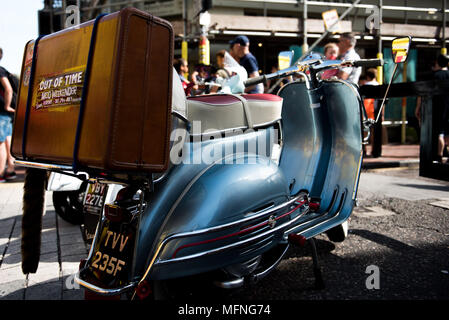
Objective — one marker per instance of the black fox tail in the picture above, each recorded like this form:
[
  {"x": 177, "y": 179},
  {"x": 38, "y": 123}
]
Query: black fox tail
[{"x": 33, "y": 210}]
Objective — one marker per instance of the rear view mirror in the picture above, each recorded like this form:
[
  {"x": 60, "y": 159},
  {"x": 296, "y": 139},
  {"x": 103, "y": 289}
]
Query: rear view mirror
[
  {"x": 400, "y": 48},
  {"x": 285, "y": 59}
]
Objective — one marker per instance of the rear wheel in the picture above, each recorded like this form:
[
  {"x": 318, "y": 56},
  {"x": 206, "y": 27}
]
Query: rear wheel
[{"x": 69, "y": 205}]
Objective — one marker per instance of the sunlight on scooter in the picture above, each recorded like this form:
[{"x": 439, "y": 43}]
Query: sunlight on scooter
[{"x": 246, "y": 175}]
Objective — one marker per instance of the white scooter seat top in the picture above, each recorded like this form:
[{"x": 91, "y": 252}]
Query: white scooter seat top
[{"x": 221, "y": 112}]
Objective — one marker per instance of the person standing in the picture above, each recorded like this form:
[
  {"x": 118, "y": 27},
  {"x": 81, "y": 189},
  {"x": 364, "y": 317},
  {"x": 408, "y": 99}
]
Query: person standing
[
  {"x": 441, "y": 104},
  {"x": 346, "y": 44},
  {"x": 371, "y": 108},
  {"x": 6, "y": 119},
  {"x": 182, "y": 67},
  {"x": 330, "y": 53},
  {"x": 240, "y": 52}
]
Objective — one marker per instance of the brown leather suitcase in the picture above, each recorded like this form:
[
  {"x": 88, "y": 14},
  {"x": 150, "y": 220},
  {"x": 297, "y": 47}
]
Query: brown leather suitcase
[{"x": 98, "y": 95}]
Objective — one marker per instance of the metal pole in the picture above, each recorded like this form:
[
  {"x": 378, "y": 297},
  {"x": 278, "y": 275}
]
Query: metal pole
[
  {"x": 184, "y": 16},
  {"x": 380, "y": 73},
  {"x": 404, "y": 106},
  {"x": 184, "y": 45},
  {"x": 305, "y": 47},
  {"x": 443, "y": 45},
  {"x": 64, "y": 14}
]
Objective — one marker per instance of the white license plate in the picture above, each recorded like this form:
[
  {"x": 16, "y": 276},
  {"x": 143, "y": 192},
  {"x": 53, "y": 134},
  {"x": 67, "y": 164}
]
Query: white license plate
[{"x": 95, "y": 197}]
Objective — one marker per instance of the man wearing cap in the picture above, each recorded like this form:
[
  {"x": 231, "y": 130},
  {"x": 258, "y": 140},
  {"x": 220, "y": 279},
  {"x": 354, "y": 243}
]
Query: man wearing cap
[{"x": 240, "y": 52}]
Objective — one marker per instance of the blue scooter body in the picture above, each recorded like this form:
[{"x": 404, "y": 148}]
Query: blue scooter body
[
  {"x": 214, "y": 209},
  {"x": 321, "y": 154}
]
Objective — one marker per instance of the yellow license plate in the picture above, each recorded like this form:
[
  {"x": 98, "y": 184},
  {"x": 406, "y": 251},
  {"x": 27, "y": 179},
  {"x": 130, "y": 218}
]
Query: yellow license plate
[{"x": 114, "y": 252}]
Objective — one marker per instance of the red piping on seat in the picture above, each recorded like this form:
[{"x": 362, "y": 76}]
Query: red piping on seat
[
  {"x": 262, "y": 96},
  {"x": 216, "y": 99},
  {"x": 221, "y": 99}
]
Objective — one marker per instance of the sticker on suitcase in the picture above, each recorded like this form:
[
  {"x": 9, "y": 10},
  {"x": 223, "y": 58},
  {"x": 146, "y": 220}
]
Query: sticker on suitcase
[{"x": 59, "y": 90}]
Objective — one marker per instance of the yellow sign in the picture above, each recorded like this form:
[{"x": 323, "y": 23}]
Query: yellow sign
[
  {"x": 400, "y": 47},
  {"x": 59, "y": 90},
  {"x": 204, "y": 54},
  {"x": 331, "y": 22},
  {"x": 284, "y": 63},
  {"x": 285, "y": 59}
]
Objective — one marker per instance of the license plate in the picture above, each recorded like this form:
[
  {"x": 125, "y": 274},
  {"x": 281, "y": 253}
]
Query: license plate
[
  {"x": 113, "y": 254},
  {"x": 95, "y": 197}
]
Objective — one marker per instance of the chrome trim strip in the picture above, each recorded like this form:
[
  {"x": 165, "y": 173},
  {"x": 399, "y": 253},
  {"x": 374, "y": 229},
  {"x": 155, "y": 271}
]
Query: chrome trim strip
[
  {"x": 180, "y": 116},
  {"x": 107, "y": 292},
  {"x": 41, "y": 165},
  {"x": 230, "y": 246},
  {"x": 226, "y": 131},
  {"x": 337, "y": 213},
  {"x": 234, "y": 223},
  {"x": 266, "y": 124},
  {"x": 175, "y": 236},
  {"x": 231, "y": 284},
  {"x": 261, "y": 275},
  {"x": 221, "y": 132}
]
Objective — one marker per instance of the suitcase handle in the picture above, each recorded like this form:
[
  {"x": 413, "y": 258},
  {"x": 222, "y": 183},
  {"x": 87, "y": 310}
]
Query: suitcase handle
[{"x": 93, "y": 38}]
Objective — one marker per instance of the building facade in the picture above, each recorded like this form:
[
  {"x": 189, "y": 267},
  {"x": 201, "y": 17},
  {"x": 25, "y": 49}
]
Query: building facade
[{"x": 276, "y": 25}]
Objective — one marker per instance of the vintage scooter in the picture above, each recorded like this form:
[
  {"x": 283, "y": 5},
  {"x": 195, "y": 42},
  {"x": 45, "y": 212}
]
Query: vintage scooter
[{"x": 250, "y": 174}]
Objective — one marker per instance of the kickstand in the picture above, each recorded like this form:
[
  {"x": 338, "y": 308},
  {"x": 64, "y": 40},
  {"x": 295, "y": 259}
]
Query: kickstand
[{"x": 319, "y": 283}]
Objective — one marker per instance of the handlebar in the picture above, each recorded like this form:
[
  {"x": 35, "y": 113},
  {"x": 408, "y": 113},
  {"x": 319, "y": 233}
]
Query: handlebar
[
  {"x": 271, "y": 76},
  {"x": 368, "y": 63},
  {"x": 255, "y": 80},
  {"x": 317, "y": 66}
]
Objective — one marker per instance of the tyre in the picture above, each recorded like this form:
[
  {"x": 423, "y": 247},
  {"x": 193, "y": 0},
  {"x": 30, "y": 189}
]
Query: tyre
[
  {"x": 69, "y": 205},
  {"x": 338, "y": 233}
]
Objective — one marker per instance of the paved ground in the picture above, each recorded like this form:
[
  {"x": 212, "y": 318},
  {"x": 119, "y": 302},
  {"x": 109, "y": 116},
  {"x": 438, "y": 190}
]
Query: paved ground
[
  {"x": 401, "y": 228},
  {"x": 61, "y": 250}
]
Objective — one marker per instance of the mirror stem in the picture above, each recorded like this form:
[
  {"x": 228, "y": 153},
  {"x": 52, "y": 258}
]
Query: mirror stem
[{"x": 386, "y": 92}]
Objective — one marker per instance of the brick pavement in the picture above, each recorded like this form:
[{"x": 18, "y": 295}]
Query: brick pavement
[
  {"x": 393, "y": 155},
  {"x": 62, "y": 248}
]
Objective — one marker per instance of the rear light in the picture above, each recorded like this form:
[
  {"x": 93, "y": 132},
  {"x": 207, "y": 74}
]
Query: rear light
[
  {"x": 297, "y": 239},
  {"x": 143, "y": 290},
  {"x": 117, "y": 211},
  {"x": 314, "y": 206},
  {"x": 114, "y": 212}
]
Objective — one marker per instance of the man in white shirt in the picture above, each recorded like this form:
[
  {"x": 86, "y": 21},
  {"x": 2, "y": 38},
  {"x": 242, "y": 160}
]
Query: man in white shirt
[{"x": 346, "y": 45}]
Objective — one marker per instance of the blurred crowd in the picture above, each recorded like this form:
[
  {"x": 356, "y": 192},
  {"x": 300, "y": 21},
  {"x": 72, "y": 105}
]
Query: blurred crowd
[{"x": 207, "y": 79}]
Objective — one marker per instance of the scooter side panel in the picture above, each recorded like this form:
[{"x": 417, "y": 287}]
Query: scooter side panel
[{"x": 302, "y": 141}]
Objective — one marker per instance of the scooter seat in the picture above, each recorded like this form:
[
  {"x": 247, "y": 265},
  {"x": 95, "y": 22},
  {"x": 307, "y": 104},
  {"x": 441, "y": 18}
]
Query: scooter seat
[{"x": 222, "y": 112}]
